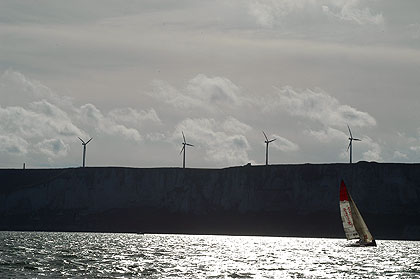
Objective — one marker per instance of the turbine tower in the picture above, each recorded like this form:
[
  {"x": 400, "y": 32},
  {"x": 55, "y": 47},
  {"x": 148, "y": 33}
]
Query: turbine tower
[
  {"x": 84, "y": 149},
  {"x": 266, "y": 147},
  {"x": 351, "y": 139},
  {"x": 183, "y": 149}
]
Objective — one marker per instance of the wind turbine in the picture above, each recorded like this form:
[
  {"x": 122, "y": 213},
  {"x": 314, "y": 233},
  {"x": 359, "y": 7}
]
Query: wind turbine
[
  {"x": 351, "y": 139},
  {"x": 266, "y": 147},
  {"x": 84, "y": 149},
  {"x": 183, "y": 149}
]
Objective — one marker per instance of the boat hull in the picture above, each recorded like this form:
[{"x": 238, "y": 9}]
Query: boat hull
[{"x": 363, "y": 244}]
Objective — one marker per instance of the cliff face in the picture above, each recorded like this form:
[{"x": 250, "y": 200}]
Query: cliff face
[{"x": 300, "y": 200}]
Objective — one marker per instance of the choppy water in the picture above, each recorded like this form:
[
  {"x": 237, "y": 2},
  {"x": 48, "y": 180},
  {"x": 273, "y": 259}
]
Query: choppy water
[{"x": 97, "y": 255}]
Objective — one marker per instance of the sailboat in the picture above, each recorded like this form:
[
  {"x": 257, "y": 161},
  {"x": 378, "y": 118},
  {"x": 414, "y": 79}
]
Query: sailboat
[{"x": 353, "y": 223}]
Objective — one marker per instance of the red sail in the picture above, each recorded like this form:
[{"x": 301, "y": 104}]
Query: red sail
[{"x": 343, "y": 192}]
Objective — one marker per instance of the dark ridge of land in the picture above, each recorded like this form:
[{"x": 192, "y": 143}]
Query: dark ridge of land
[{"x": 277, "y": 200}]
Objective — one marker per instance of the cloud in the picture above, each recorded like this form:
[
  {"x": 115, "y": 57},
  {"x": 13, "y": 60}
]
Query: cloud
[
  {"x": 313, "y": 105},
  {"x": 371, "y": 151},
  {"x": 400, "y": 155},
  {"x": 284, "y": 144},
  {"x": 414, "y": 29},
  {"x": 17, "y": 89},
  {"x": 350, "y": 11},
  {"x": 327, "y": 135},
  {"x": 170, "y": 95},
  {"x": 53, "y": 147},
  {"x": 40, "y": 119},
  {"x": 415, "y": 148},
  {"x": 374, "y": 150},
  {"x": 106, "y": 124},
  {"x": 233, "y": 125},
  {"x": 319, "y": 106},
  {"x": 215, "y": 90},
  {"x": 220, "y": 141},
  {"x": 134, "y": 117},
  {"x": 51, "y": 120},
  {"x": 36, "y": 121},
  {"x": 269, "y": 13},
  {"x": 201, "y": 92},
  {"x": 12, "y": 144},
  {"x": 158, "y": 136}
]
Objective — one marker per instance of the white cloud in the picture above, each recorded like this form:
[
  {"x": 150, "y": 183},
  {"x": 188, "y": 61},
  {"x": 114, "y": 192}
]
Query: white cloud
[
  {"x": 263, "y": 13},
  {"x": 327, "y": 135},
  {"x": 45, "y": 123},
  {"x": 369, "y": 149},
  {"x": 33, "y": 122},
  {"x": 91, "y": 115},
  {"x": 318, "y": 106},
  {"x": 214, "y": 90},
  {"x": 414, "y": 30},
  {"x": 400, "y": 155},
  {"x": 374, "y": 150},
  {"x": 201, "y": 92},
  {"x": 17, "y": 89},
  {"x": 284, "y": 144},
  {"x": 415, "y": 148},
  {"x": 233, "y": 125},
  {"x": 107, "y": 125},
  {"x": 372, "y": 155},
  {"x": 269, "y": 13},
  {"x": 13, "y": 144},
  {"x": 51, "y": 120},
  {"x": 351, "y": 11},
  {"x": 53, "y": 147},
  {"x": 156, "y": 136},
  {"x": 223, "y": 146},
  {"x": 133, "y": 117}
]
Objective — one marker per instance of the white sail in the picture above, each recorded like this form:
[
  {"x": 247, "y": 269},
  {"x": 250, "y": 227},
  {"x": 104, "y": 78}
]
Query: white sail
[
  {"x": 346, "y": 217},
  {"x": 360, "y": 225}
]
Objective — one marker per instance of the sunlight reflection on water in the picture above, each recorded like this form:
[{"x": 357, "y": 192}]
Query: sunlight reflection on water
[{"x": 88, "y": 255}]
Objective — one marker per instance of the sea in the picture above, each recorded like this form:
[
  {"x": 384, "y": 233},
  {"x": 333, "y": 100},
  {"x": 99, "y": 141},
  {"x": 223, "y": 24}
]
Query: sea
[{"x": 126, "y": 255}]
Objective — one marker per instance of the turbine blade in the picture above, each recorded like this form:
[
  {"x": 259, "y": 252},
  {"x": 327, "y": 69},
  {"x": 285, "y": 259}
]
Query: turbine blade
[
  {"x": 81, "y": 140},
  {"x": 89, "y": 140},
  {"x": 189, "y": 144},
  {"x": 265, "y": 136},
  {"x": 349, "y": 131},
  {"x": 182, "y": 149},
  {"x": 348, "y": 146},
  {"x": 357, "y": 139},
  {"x": 271, "y": 140},
  {"x": 183, "y": 136}
]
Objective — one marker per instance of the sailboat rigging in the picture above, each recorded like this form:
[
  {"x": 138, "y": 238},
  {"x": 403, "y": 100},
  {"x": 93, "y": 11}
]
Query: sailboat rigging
[{"x": 353, "y": 224}]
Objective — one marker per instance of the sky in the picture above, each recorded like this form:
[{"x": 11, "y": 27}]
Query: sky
[{"x": 134, "y": 75}]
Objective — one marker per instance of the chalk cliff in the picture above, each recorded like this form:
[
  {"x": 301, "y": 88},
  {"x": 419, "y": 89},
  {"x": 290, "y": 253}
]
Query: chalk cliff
[{"x": 292, "y": 200}]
